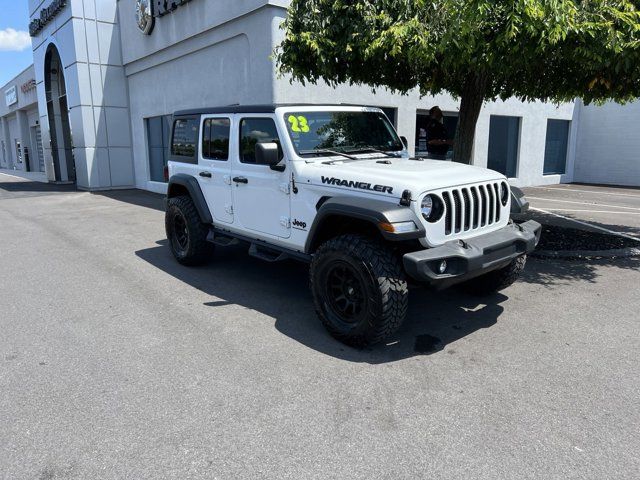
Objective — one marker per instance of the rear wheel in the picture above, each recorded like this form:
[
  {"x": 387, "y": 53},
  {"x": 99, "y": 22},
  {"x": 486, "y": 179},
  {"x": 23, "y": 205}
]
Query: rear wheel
[
  {"x": 359, "y": 289},
  {"x": 187, "y": 235},
  {"x": 497, "y": 279}
]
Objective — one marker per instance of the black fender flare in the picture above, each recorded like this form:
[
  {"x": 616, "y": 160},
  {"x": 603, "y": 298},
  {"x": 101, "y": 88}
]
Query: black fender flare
[
  {"x": 369, "y": 210},
  {"x": 519, "y": 203},
  {"x": 191, "y": 185}
]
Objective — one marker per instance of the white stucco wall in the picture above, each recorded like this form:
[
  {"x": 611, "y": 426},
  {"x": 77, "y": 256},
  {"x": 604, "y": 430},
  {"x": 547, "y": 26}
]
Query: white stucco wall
[
  {"x": 608, "y": 148},
  {"x": 219, "y": 53},
  {"x": 178, "y": 68}
]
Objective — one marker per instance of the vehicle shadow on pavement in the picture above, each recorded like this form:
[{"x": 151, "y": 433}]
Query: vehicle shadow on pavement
[
  {"x": 557, "y": 272},
  {"x": 139, "y": 198},
  {"x": 280, "y": 291}
]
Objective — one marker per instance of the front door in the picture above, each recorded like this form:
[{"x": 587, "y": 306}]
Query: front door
[
  {"x": 214, "y": 167},
  {"x": 260, "y": 194}
]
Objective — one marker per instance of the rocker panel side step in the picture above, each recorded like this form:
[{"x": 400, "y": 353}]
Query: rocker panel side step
[
  {"x": 266, "y": 254},
  {"x": 221, "y": 240}
]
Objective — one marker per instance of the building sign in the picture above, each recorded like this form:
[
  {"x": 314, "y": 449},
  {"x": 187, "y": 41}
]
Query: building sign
[
  {"x": 46, "y": 15},
  {"x": 148, "y": 10},
  {"x": 11, "y": 96},
  {"x": 28, "y": 86},
  {"x": 144, "y": 16}
]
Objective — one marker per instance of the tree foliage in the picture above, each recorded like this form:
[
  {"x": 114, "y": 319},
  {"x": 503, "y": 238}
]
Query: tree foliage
[{"x": 478, "y": 50}]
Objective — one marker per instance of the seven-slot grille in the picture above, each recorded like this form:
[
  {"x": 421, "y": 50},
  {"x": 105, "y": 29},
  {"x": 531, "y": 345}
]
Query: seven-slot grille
[{"x": 470, "y": 208}]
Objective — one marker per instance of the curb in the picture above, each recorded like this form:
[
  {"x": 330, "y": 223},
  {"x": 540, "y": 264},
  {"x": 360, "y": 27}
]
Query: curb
[{"x": 593, "y": 254}]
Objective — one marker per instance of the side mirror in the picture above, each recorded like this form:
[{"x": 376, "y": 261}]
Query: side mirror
[
  {"x": 268, "y": 154},
  {"x": 405, "y": 142}
]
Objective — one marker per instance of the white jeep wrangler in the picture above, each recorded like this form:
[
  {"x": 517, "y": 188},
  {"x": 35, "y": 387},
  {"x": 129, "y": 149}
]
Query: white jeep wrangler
[{"x": 334, "y": 186}]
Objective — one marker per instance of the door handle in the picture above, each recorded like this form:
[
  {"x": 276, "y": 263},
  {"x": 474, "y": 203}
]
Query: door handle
[
  {"x": 241, "y": 180},
  {"x": 206, "y": 174}
]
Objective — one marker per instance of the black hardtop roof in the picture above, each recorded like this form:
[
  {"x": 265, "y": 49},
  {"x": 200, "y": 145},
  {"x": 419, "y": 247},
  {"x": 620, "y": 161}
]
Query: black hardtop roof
[{"x": 267, "y": 108}]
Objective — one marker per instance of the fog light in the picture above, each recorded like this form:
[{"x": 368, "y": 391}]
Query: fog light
[{"x": 443, "y": 267}]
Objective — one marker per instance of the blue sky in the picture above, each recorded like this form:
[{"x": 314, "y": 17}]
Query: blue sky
[{"x": 15, "y": 50}]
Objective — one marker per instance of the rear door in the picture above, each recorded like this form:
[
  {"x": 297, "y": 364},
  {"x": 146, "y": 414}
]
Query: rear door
[
  {"x": 260, "y": 194},
  {"x": 214, "y": 166}
]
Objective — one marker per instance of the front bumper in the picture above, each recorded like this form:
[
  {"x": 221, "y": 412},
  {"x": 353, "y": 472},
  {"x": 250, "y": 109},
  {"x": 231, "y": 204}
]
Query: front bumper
[{"x": 471, "y": 258}]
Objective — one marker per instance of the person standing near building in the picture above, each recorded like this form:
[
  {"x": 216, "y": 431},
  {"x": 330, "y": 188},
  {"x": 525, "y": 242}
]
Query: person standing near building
[{"x": 438, "y": 141}]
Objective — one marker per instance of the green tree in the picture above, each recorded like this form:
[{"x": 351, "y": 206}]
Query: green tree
[{"x": 477, "y": 50}]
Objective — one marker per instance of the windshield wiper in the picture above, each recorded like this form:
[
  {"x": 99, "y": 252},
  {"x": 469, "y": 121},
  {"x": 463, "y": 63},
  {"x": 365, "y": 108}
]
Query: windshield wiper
[
  {"x": 374, "y": 150},
  {"x": 326, "y": 150}
]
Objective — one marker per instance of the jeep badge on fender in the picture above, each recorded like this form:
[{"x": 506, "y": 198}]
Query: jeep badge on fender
[{"x": 362, "y": 236}]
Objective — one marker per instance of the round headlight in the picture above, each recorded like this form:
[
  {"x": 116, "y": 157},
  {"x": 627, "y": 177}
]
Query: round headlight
[
  {"x": 427, "y": 207},
  {"x": 432, "y": 208},
  {"x": 504, "y": 194}
]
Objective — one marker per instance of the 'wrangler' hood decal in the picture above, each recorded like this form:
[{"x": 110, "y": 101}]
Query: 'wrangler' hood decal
[{"x": 357, "y": 184}]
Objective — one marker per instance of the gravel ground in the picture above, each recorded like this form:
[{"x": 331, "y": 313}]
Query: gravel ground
[{"x": 557, "y": 238}]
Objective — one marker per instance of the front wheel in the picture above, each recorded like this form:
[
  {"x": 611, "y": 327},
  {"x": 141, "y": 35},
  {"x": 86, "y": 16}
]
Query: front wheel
[
  {"x": 359, "y": 289},
  {"x": 496, "y": 280}
]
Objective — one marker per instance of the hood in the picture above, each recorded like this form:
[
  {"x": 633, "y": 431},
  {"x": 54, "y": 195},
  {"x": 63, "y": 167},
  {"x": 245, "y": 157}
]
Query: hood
[{"x": 394, "y": 175}]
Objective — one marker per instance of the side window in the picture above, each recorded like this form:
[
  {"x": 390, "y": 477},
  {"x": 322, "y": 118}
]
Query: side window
[
  {"x": 253, "y": 131},
  {"x": 215, "y": 138},
  {"x": 184, "y": 139}
]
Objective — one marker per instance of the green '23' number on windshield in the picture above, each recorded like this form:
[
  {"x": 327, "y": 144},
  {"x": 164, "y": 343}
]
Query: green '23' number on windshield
[{"x": 299, "y": 124}]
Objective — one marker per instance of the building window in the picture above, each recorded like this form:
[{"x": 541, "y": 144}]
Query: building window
[
  {"x": 185, "y": 138},
  {"x": 555, "y": 150},
  {"x": 215, "y": 138},
  {"x": 450, "y": 124},
  {"x": 252, "y": 131},
  {"x": 504, "y": 139},
  {"x": 158, "y": 133}
]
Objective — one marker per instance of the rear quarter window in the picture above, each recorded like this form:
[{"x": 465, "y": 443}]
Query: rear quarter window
[{"x": 184, "y": 140}]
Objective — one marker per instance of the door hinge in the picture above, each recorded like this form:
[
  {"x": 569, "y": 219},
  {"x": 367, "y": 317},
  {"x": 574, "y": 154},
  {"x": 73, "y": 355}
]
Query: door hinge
[
  {"x": 227, "y": 179},
  {"x": 285, "y": 222},
  {"x": 285, "y": 188},
  {"x": 228, "y": 209}
]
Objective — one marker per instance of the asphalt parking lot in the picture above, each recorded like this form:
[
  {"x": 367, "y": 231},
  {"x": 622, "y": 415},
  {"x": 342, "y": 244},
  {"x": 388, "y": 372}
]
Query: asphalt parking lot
[
  {"x": 610, "y": 208},
  {"x": 116, "y": 362}
]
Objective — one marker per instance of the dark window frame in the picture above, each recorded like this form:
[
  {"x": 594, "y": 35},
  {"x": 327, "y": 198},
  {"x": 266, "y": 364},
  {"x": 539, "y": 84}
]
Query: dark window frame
[
  {"x": 206, "y": 155},
  {"x": 240, "y": 136},
  {"x": 164, "y": 146},
  {"x": 185, "y": 158},
  {"x": 545, "y": 163},
  {"x": 514, "y": 171}
]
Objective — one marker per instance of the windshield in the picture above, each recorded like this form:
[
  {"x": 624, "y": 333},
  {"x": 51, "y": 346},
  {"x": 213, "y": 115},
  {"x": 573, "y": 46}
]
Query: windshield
[{"x": 327, "y": 133}]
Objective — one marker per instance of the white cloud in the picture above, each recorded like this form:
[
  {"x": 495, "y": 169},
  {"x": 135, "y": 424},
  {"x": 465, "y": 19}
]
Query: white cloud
[{"x": 14, "y": 40}]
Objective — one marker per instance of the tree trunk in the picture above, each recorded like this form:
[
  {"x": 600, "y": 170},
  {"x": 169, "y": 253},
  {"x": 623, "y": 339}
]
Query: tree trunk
[{"x": 471, "y": 100}]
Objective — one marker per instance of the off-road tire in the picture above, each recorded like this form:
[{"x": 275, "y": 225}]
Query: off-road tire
[
  {"x": 380, "y": 276},
  {"x": 182, "y": 219},
  {"x": 496, "y": 280}
]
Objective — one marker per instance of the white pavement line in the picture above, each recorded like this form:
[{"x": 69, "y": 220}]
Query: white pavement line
[
  {"x": 624, "y": 235},
  {"x": 582, "y": 203},
  {"x": 591, "y": 211},
  {"x": 561, "y": 189}
]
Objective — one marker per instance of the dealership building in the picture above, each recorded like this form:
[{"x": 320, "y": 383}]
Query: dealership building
[{"x": 95, "y": 108}]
